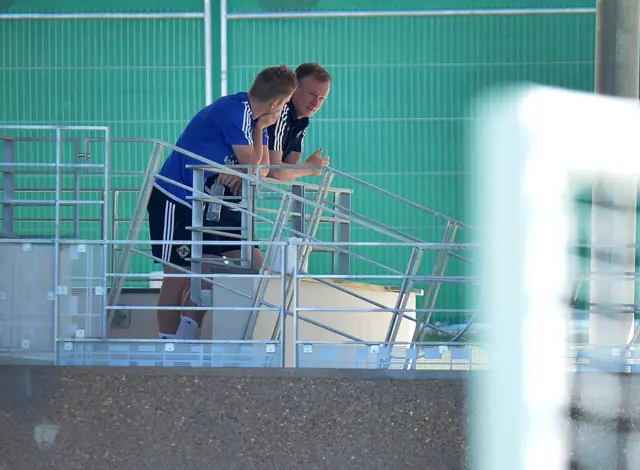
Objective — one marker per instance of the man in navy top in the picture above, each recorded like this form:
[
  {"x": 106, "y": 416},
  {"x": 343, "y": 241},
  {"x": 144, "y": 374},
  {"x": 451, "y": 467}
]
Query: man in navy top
[
  {"x": 230, "y": 131},
  {"x": 286, "y": 135}
]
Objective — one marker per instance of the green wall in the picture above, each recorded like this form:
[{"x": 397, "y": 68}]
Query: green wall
[{"x": 396, "y": 116}]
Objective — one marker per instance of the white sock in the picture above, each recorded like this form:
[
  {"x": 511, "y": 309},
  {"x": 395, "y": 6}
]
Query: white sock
[
  {"x": 187, "y": 329},
  {"x": 198, "y": 333},
  {"x": 167, "y": 336}
]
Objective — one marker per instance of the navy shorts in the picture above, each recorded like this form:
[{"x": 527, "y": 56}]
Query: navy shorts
[{"x": 169, "y": 219}]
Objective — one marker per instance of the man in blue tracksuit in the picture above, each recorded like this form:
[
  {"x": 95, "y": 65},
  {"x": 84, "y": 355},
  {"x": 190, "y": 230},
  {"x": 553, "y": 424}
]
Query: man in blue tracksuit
[{"x": 232, "y": 130}]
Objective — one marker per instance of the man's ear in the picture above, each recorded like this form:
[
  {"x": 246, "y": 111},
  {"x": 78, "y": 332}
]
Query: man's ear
[{"x": 275, "y": 104}]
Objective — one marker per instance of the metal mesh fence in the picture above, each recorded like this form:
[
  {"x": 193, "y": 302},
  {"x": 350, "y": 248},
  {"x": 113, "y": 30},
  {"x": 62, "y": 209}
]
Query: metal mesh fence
[
  {"x": 144, "y": 78},
  {"x": 395, "y": 117},
  {"x": 398, "y": 108}
]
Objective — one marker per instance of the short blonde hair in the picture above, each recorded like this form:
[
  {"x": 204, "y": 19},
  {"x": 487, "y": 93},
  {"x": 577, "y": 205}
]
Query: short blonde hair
[{"x": 274, "y": 83}]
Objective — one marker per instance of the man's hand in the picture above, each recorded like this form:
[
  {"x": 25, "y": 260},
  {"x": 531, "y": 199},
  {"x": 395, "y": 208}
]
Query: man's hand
[
  {"x": 316, "y": 160},
  {"x": 234, "y": 183},
  {"x": 268, "y": 119}
]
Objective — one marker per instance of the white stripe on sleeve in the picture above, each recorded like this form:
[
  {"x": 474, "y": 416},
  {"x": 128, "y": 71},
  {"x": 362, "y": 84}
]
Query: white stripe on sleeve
[{"x": 246, "y": 124}]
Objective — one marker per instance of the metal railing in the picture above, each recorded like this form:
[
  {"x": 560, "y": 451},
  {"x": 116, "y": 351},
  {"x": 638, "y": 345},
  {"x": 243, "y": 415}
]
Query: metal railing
[
  {"x": 121, "y": 215},
  {"x": 342, "y": 255},
  {"x": 93, "y": 268},
  {"x": 311, "y": 213}
]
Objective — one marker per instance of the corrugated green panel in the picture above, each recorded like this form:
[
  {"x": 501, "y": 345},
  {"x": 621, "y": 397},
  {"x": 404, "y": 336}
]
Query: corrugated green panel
[
  {"x": 252, "y": 6},
  {"x": 142, "y": 78},
  {"x": 396, "y": 117},
  {"x": 84, "y": 6},
  {"x": 399, "y": 107}
]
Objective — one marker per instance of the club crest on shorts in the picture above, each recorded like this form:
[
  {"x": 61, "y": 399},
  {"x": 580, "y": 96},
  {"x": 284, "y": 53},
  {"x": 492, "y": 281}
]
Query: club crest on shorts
[{"x": 183, "y": 251}]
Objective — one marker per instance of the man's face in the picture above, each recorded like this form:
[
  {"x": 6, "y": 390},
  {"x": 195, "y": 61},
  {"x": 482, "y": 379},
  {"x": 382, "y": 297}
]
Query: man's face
[{"x": 309, "y": 96}]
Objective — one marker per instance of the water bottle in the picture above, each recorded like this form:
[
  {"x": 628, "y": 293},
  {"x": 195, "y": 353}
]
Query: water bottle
[{"x": 213, "y": 208}]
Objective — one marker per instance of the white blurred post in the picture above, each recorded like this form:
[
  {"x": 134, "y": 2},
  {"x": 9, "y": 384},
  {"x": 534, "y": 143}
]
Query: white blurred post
[
  {"x": 613, "y": 221},
  {"x": 533, "y": 141},
  {"x": 524, "y": 221}
]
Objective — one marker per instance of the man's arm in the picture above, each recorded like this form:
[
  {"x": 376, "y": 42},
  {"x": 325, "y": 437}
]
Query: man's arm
[
  {"x": 277, "y": 132},
  {"x": 265, "y": 161},
  {"x": 251, "y": 153},
  {"x": 293, "y": 158},
  {"x": 247, "y": 142},
  {"x": 265, "y": 154},
  {"x": 288, "y": 174}
]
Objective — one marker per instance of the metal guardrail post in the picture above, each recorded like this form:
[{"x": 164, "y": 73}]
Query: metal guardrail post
[
  {"x": 104, "y": 229},
  {"x": 342, "y": 234},
  {"x": 294, "y": 301},
  {"x": 56, "y": 248},
  {"x": 197, "y": 217},
  {"x": 403, "y": 295},
  {"x": 282, "y": 314},
  {"x": 248, "y": 222},
  {"x": 114, "y": 231},
  {"x": 471, "y": 320},
  {"x": 438, "y": 285},
  {"x": 8, "y": 182},
  {"x": 316, "y": 215},
  {"x": 297, "y": 218},
  {"x": 76, "y": 192},
  {"x": 431, "y": 295}
]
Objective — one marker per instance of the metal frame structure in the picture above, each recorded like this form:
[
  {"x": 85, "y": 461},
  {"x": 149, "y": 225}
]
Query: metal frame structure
[
  {"x": 303, "y": 226},
  {"x": 338, "y": 214},
  {"x": 385, "y": 352},
  {"x": 341, "y": 257},
  {"x": 433, "y": 289},
  {"x": 10, "y": 167}
]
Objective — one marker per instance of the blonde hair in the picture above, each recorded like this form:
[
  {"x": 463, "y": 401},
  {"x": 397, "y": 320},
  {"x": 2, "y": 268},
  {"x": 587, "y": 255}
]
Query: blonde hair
[{"x": 274, "y": 83}]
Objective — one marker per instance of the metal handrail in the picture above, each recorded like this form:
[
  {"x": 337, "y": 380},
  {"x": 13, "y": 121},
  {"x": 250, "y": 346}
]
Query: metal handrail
[
  {"x": 248, "y": 178},
  {"x": 413, "y": 263},
  {"x": 269, "y": 183},
  {"x": 401, "y": 199},
  {"x": 84, "y": 151},
  {"x": 319, "y": 206}
]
